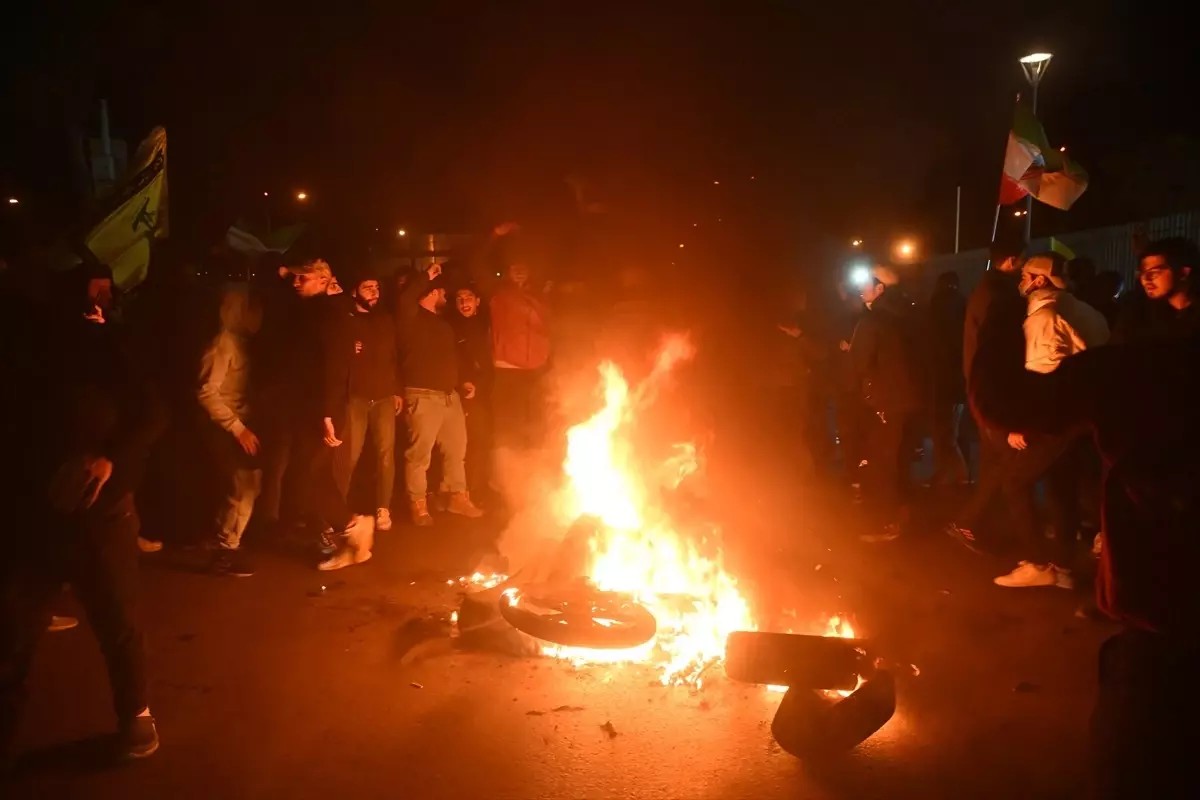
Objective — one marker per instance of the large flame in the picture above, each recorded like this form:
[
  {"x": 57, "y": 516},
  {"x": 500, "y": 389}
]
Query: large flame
[
  {"x": 637, "y": 549},
  {"x": 679, "y": 576}
]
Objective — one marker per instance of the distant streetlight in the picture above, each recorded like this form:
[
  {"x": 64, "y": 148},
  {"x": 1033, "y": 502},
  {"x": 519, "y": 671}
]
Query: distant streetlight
[
  {"x": 716, "y": 183},
  {"x": 301, "y": 196},
  {"x": 1034, "y": 65},
  {"x": 266, "y": 194},
  {"x": 856, "y": 243},
  {"x": 12, "y": 201},
  {"x": 402, "y": 232},
  {"x": 681, "y": 245},
  {"x": 905, "y": 250}
]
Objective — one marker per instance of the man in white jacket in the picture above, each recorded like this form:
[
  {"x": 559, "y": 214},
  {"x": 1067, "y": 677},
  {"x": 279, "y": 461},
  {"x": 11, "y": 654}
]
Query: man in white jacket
[
  {"x": 1057, "y": 325},
  {"x": 224, "y": 377}
]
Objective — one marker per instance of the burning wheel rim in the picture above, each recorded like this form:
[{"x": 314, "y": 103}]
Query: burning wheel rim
[{"x": 580, "y": 617}]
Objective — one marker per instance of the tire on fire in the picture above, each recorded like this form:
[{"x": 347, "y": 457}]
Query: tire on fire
[
  {"x": 580, "y": 617},
  {"x": 794, "y": 660},
  {"x": 808, "y": 725}
]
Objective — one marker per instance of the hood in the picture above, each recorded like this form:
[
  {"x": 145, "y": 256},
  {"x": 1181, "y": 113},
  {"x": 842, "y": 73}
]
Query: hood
[
  {"x": 235, "y": 310},
  {"x": 1040, "y": 298}
]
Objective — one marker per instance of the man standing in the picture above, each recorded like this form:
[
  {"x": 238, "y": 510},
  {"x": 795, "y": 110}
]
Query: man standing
[
  {"x": 80, "y": 444},
  {"x": 1165, "y": 273},
  {"x": 224, "y": 394},
  {"x": 885, "y": 366},
  {"x": 947, "y": 316},
  {"x": 362, "y": 378},
  {"x": 313, "y": 426},
  {"x": 474, "y": 339},
  {"x": 431, "y": 399}
]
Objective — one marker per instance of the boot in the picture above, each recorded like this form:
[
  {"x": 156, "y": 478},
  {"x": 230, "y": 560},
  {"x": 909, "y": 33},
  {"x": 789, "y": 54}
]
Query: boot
[
  {"x": 357, "y": 540},
  {"x": 460, "y": 503},
  {"x": 419, "y": 507}
]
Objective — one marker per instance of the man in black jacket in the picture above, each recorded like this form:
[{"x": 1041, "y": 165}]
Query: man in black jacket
[
  {"x": 431, "y": 399},
  {"x": 81, "y": 419},
  {"x": 885, "y": 364},
  {"x": 362, "y": 388},
  {"x": 474, "y": 339}
]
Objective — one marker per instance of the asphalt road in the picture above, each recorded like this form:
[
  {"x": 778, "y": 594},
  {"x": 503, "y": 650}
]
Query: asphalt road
[{"x": 274, "y": 687}]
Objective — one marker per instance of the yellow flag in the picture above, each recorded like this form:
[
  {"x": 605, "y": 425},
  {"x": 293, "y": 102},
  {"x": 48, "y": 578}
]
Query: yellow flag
[
  {"x": 1058, "y": 247},
  {"x": 137, "y": 213}
]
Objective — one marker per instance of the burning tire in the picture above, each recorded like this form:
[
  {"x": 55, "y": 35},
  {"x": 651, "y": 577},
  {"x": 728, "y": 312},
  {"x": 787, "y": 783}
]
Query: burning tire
[
  {"x": 794, "y": 660},
  {"x": 579, "y": 616},
  {"x": 809, "y": 725}
]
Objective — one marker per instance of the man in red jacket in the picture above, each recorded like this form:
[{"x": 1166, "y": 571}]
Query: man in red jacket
[{"x": 520, "y": 352}]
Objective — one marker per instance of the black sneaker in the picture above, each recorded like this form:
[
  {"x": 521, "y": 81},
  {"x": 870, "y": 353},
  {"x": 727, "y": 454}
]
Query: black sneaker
[
  {"x": 139, "y": 738},
  {"x": 232, "y": 563}
]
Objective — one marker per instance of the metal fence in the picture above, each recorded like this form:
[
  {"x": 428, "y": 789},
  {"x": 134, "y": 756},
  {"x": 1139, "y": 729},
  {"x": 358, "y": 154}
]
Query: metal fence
[{"x": 1111, "y": 248}]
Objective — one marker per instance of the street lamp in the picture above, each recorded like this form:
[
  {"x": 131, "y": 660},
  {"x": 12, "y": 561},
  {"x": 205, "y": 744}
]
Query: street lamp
[
  {"x": 905, "y": 250},
  {"x": 1034, "y": 66},
  {"x": 402, "y": 233},
  {"x": 856, "y": 243},
  {"x": 12, "y": 201},
  {"x": 301, "y": 196}
]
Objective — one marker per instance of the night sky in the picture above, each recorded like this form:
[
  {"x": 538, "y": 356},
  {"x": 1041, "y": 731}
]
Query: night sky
[{"x": 852, "y": 123}]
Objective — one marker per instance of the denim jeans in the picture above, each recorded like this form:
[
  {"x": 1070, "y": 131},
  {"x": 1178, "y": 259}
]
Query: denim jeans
[
  {"x": 378, "y": 417},
  {"x": 434, "y": 418}
]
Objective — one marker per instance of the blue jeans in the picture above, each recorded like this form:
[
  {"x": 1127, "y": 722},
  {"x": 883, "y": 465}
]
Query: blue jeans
[{"x": 379, "y": 418}]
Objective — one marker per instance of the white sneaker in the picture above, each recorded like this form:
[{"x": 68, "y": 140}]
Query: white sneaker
[
  {"x": 383, "y": 520},
  {"x": 357, "y": 541},
  {"x": 1029, "y": 574}
]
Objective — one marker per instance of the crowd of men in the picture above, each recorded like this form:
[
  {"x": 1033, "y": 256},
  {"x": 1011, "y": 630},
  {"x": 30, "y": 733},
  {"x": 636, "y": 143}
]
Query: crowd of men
[{"x": 1067, "y": 387}]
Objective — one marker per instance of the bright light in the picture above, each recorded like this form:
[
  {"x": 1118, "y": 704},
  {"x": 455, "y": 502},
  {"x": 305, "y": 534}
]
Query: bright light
[
  {"x": 716, "y": 183},
  {"x": 681, "y": 245},
  {"x": 266, "y": 194},
  {"x": 905, "y": 249},
  {"x": 1062, "y": 149},
  {"x": 856, "y": 243},
  {"x": 860, "y": 275},
  {"x": 1036, "y": 58},
  {"x": 301, "y": 196},
  {"x": 402, "y": 232},
  {"x": 12, "y": 201},
  {"x": 1018, "y": 213}
]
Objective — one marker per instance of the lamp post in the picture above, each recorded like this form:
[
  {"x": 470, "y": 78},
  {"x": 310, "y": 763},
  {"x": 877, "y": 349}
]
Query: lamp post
[{"x": 1034, "y": 65}]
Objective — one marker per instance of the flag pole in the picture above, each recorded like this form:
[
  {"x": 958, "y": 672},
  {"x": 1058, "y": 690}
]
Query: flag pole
[{"x": 957, "y": 214}]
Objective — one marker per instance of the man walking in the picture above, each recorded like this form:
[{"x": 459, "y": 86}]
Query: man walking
[{"x": 80, "y": 447}]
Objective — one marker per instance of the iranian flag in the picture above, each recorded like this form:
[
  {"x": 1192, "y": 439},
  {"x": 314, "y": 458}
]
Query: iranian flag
[{"x": 1032, "y": 166}]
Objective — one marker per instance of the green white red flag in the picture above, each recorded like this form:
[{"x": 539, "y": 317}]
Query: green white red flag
[{"x": 1033, "y": 167}]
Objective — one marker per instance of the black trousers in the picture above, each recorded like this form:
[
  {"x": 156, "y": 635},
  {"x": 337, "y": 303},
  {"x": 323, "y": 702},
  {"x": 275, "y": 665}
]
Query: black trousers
[
  {"x": 518, "y": 408},
  {"x": 97, "y": 554},
  {"x": 479, "y": 443},
  {"x": 1143, "y": 723},
  {"x": 889, "y": 461},
  {"x": 318, "y": 488}
]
